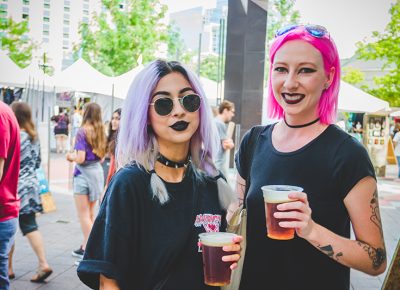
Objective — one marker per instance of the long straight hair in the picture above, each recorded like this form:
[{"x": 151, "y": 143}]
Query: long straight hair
[
  {"x": 137, "y": 143},
  {"x": 23, "y": 114},
  {"x": 94, "y": 128},
  {"x": 327, "y": 107}
]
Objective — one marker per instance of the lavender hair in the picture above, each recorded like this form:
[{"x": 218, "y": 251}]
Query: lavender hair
[{"x": 327, "y": 108}]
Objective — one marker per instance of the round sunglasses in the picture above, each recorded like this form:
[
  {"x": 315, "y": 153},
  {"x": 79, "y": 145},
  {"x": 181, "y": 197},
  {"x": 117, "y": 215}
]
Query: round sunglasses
[
  {"x": 317, "y": 31},
  {"x": 164, "y": 105}
]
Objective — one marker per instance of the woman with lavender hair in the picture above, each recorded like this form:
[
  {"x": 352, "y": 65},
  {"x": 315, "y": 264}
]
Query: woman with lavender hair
[{"x": 166, "y": 191}]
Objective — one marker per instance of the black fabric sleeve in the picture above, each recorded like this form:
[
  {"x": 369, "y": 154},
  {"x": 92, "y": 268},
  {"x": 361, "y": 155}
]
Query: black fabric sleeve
[
  {"x": 352, "y": 165},
  {"x": 240, "y": 157},
  {"x": 111, "y": 246}
]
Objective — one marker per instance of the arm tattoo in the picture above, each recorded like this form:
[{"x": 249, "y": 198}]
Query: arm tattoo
[
  {"x": 328, "y": 250},
  {"x": 240, "y": 189},
  {"x": 377, "y": 256},
  {"x": 376, "y": 217}
]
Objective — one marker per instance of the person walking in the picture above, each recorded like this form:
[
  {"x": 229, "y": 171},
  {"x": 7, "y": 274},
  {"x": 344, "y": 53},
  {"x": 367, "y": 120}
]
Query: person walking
[
  {"x": 396, "y": 143},
  {"x": 61, "y": 131},
  {"x": 9, "y": 200},
  {"x": 28, "y": 190},
  {"x": 111, "y": 143},
  {"x": 306, "y": 149},
  {"x": 166, "y": 193},
  {"x": 88, "y": 180},
  {"x": 226, "y": 111}
]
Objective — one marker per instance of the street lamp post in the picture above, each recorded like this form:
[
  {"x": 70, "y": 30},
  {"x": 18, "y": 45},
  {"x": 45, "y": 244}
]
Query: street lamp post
[{"x": 44, "y": 67}]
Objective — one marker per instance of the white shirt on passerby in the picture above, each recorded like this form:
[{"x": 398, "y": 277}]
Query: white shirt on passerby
[{"x": 396, "y": 140}]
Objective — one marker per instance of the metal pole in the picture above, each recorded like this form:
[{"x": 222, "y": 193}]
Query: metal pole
[
  {"x": 48, "y": 144},
  {"x": 199, "y": 56}
]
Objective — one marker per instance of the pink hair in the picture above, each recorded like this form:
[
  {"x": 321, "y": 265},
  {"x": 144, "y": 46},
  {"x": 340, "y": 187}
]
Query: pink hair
[{"x": 328, "y": 103}]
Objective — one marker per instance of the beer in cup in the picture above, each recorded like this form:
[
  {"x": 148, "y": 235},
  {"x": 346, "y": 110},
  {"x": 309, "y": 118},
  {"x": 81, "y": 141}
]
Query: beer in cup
[
  {"x": 216, "y": 271},
  {"x": 274, "y": 195}
]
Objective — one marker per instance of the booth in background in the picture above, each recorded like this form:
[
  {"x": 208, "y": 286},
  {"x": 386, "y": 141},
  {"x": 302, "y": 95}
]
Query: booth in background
[{"x": 376, "y": 139}]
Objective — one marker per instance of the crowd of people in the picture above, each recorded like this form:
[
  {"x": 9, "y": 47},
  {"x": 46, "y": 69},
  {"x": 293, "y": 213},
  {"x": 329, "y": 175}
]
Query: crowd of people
[{"x": 163, "y": 180}]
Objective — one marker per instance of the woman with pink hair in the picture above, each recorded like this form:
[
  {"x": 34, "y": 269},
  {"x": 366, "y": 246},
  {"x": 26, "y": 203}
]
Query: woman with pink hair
[{"x": 306, "y": 149}]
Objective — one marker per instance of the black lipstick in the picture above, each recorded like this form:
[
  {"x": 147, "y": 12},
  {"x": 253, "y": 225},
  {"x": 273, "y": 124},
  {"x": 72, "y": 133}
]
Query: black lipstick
[{"x": 180, "y": 126}]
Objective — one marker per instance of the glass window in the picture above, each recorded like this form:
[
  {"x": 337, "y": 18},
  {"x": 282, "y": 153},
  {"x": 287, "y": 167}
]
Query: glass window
[
  {"x": 65, "y": 44},
  {"x": 3, "y": 14},
  {"x": 66, "y": 16},
  {"x": 46, "y": 26},
  {"x": 66, "y": 22},
  {"x": 86, "y": 6},
  {"x": 85, "y": 12},
  {"x": 25, "y": 10},
  {"x": 67, "y": 3},
  {"x": 66, "y": 35},
  {"x": 46, "y": 13},
  {"x": 46, "y": 19},
  {"x": 45, "y": 39},
  {"x": 46, "y": 5},
  {"x": 25, "y": 16},
  {"x": 66, "y": 29},
  {"x": 46, "y": 32},
  {"x": 25, "y": 2},
  {"x": 3, "y": 7},
  {"x": 66, "y": 9},
  {"x": 85, "y": 19}
]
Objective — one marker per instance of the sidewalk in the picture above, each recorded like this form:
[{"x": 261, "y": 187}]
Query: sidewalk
[{"x": 62, "y": 234}]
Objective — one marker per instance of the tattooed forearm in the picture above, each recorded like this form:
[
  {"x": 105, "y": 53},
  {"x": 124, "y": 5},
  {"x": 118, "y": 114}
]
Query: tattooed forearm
[
  {"x": 240, "y": 189},
  {"x": 377, "y": 256},
  {"x": 328, "y": 250},
  {"x": 376, "y": 217}
]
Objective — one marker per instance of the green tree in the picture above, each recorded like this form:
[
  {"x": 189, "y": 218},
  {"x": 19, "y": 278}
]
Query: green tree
[
  {"x": 209, "y": 67},
  {"x": 176, "y": 46},
  {"x": 117, "y": 37},
  {"x": 385, "y": 46},
  {"x": 352, "y": 75},
  {"x": 15, "y": 41},
  {"x": 280, "y": 14}
]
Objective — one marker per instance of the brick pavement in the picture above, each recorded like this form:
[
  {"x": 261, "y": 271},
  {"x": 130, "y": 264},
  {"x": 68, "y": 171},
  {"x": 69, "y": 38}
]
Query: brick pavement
[{"x": 61, "y": 233}]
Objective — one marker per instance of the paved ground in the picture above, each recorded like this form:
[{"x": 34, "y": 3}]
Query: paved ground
[{"x": 61, "y": 232}]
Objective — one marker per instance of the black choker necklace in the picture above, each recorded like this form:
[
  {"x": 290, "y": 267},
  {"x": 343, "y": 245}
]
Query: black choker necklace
[
  {"x": 164, "y": 160},
  {"x": 300, "y": 126}
]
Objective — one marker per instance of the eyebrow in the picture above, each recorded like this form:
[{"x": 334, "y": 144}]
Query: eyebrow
[
  {"x": 300, "y": 64},
  {"x": 165, "y": 93}
]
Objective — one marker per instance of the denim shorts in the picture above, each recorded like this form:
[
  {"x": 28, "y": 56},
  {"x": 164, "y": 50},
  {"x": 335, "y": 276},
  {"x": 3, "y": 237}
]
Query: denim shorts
[
  {"x": 27, "y": 223},
  {"x": 7, "y": 234},
  {"x": 81, "y": 187}
]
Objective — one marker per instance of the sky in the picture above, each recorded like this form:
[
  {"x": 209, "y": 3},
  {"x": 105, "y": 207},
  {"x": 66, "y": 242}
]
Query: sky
[{"x": 348, "y": 21}]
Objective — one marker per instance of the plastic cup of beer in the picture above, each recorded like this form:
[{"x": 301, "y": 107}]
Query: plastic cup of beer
[
  {"x": 216, "y": 271},
  {"x": 275, "y": 195}
]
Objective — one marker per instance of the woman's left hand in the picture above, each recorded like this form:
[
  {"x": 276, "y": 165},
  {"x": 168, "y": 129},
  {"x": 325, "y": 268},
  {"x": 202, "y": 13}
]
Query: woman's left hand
[
  {"x": 234, "y": 258},
  {"x": 299, "y": 212}
]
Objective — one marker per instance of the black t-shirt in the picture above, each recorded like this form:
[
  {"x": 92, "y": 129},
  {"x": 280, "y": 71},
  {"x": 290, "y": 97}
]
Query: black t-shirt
[
  {"x": 327, "y": 168},
  {"x": 135, "y": 240}
]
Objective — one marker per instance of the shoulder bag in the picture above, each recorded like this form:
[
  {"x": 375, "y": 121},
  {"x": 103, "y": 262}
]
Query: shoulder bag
[{"x": 237, "y": 223}]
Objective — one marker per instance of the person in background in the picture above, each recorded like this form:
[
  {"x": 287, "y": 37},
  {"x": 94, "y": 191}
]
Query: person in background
[
  {"x": 226, "y": 111},
  {"x": 28, "y": 190},
  {"x": 9, "y": 200},
  {"x": 61, "y": 131},
  {"x": 396, "y": 144},
  {"x": 88, "y": 180},
  {"x": 76, "y": 123},
  {"x": 111, "y": 142},
  {"x": 166, "y": 192},
  {"x": 306, "y": 149}
]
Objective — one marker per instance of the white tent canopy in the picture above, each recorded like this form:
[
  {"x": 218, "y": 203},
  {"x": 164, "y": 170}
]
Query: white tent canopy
[
  {"x": 10, "y": 73},
  {"x": 352, "y": 99},
  {"x": 82, "y": 77}
]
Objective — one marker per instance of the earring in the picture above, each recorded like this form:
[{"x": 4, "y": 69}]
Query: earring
[{"x": 326, "y": 86}]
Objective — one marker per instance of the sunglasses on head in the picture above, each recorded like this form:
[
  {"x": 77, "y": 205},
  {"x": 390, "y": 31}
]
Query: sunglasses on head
[
  {"x": 317, "y": 31},
  {"x": 164, "y": 105}
]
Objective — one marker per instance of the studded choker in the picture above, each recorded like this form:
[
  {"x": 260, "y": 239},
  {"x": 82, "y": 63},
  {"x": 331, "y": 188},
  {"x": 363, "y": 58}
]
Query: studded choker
[{"x": 164, "y": 160}]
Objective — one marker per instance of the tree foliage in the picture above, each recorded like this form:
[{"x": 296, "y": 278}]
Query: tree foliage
[
  {"x": 117, "y": 37},
  {"x": 15, "y": 41},
  {"x": 352, "y": 75},
  {"x": 385, "y": 46},
  {"x": 280, "y": 14},
  {"x": 209, "y": 67}
]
